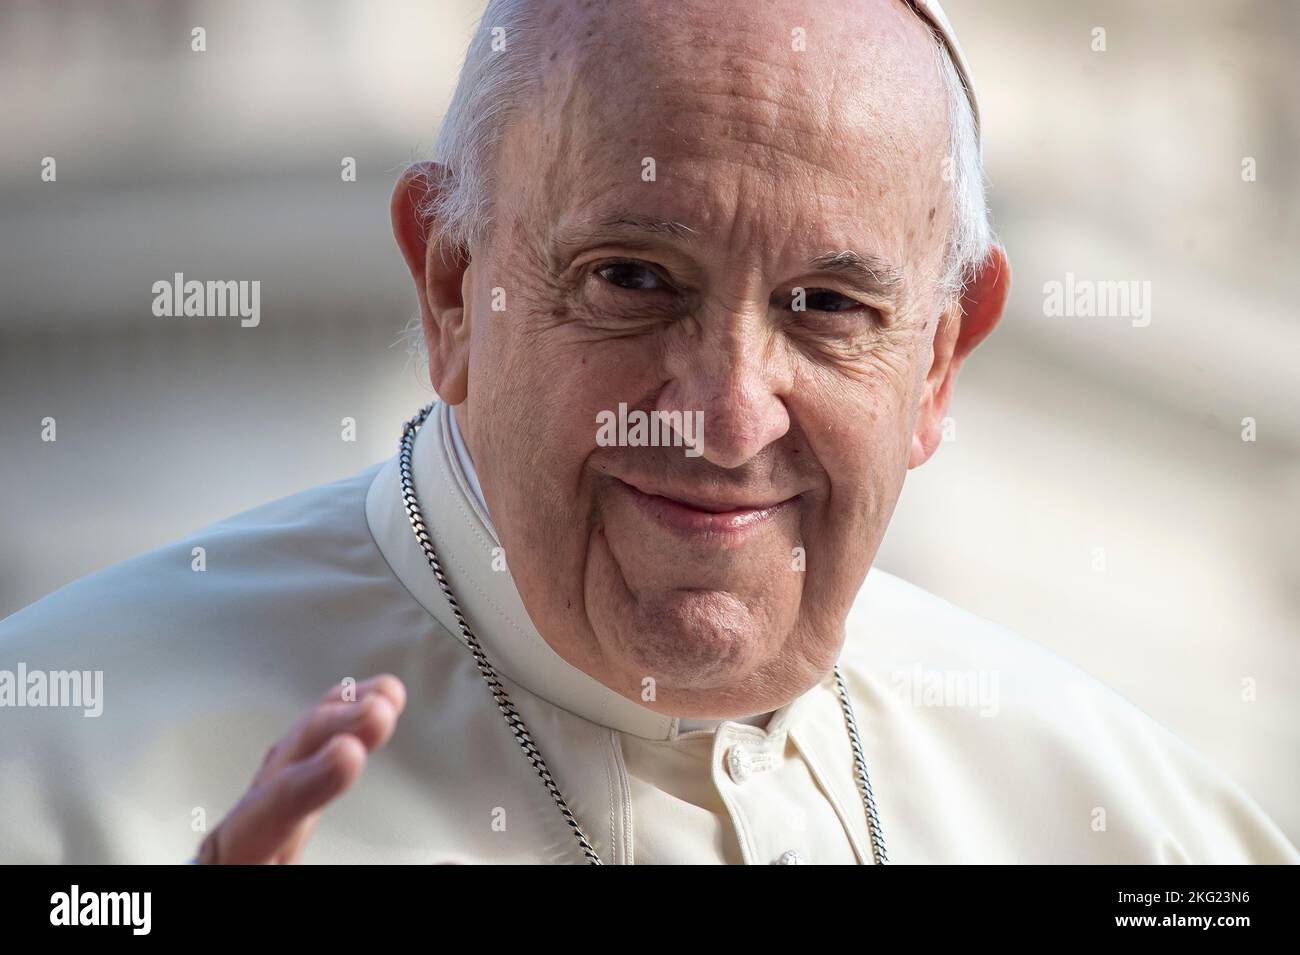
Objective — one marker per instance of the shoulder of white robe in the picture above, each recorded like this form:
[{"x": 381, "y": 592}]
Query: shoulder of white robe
[{"x": 904, "y": 642}]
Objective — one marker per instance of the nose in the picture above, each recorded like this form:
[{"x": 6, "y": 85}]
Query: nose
[{"x": 734, "y": 373}]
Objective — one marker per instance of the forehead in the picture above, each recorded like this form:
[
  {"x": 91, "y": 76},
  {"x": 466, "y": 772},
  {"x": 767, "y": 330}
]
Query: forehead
[{"x": 765, "y": 127}]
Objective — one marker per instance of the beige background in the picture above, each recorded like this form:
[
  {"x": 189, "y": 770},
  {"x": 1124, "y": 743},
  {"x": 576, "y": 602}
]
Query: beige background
[{"x": 1071, "y": 434}]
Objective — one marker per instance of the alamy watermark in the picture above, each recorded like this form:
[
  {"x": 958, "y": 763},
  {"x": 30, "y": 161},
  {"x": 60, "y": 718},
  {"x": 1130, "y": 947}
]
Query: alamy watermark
[
  {"x": 213, "y": 299},
  {"x": 1086, "y": 298},
  {"x": 53, "y": 688},
  {"x": 651, "y": 429},
  {"x": 128, "y": 909},
  {"x": 977, "y": 689}
]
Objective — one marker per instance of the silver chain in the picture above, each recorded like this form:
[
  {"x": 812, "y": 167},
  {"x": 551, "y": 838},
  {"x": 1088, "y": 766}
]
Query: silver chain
[{"x": 515, "y": 721}]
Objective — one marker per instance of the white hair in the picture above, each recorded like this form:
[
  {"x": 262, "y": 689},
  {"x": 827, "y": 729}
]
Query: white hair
[
  {"x": 491, "y": 88},
  {"x": 970, "y": 237}
]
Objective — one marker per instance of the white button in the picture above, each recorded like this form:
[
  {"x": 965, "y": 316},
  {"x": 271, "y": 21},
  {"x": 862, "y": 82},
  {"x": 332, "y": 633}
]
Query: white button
[
  {"x": 790, "y": 857},
  {"x": 739, "y": 764}
]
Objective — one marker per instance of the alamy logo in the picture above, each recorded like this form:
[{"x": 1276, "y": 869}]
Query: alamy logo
[
  {"x": 651, "y": 429},
  {"x": 977, "y": 689},
  {"x": 1085, "y": 298},
  {"x": 213, "y": 299},
  {"x": 55, "y": 688},
  {"x": 102, "y": 908}
]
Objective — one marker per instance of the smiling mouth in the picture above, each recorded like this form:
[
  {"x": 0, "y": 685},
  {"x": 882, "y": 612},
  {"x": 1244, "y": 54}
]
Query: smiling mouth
[{"x": 696, "y": 516}]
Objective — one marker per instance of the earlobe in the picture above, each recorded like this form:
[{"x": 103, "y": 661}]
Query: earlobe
[{"x": 924, "y": 443}]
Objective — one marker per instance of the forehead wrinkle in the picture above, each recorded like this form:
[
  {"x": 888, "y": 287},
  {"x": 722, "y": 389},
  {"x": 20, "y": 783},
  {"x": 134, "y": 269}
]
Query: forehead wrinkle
[{"x": 767, "y": 105}]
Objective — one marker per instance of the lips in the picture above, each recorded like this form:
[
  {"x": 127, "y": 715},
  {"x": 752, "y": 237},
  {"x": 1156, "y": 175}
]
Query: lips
[{"x": 698, "y": 515}]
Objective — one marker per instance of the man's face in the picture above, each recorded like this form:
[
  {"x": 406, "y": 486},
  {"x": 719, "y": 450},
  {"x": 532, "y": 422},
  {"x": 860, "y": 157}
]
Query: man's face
[{"x": 725, "y": 577}]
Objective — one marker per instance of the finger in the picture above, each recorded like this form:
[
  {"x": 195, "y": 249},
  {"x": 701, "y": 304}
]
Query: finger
[
  {"x": 366, "y": 720},
  {"x": 385, "y": 683},
  {"x": 268, "y": 817},
  {"x": 291, "y": 852},
  {"x": 371, "y": 720}
]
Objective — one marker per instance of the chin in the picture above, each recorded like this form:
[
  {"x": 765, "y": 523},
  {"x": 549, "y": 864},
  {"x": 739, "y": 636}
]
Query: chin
[{"x": 690, "y": 640}]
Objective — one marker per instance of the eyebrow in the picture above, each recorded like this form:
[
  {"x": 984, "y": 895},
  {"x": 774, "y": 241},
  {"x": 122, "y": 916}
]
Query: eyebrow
[
  {"x": 642, "y": 223},
  {"x": 867, "y": 271},
  {"x": 623, "y": 225}
]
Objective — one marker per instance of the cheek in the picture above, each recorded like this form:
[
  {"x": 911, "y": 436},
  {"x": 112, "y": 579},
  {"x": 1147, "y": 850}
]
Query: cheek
[
  {"x": 859, "y": 427},
  {"x": 859, "y": 419},
  {"x": 544, "y": 385}
]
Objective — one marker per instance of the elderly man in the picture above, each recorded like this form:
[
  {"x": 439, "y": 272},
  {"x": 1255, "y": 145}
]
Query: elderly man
[{"x": 695, "y": 284}]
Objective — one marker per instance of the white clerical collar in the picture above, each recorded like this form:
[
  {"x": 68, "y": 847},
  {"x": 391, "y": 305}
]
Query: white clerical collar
[
  {"x": 471, "y": 476},
  {"x": 468, "y": 548}
]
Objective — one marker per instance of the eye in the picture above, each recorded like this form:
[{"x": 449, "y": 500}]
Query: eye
[
  {"x": 827, "y": 300},
  {"x": 636, "y": 276}
]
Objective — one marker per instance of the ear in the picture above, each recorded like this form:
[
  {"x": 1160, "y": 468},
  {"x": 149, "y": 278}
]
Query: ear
[
  {"x": 959, "y": 331},
  {"x": 439, "y": 271}
]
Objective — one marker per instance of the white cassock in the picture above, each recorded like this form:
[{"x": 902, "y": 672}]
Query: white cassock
[{"x": 203, "y": 670}]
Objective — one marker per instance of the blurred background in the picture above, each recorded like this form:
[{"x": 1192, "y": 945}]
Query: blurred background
[{"x": 1096, "y": 493}]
